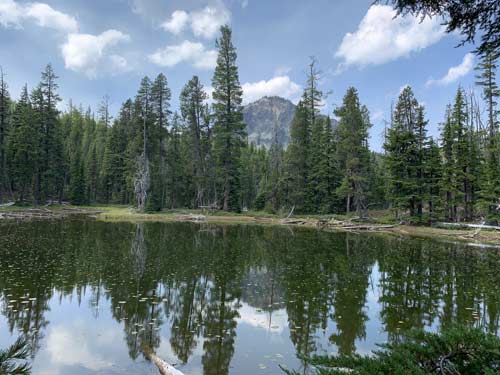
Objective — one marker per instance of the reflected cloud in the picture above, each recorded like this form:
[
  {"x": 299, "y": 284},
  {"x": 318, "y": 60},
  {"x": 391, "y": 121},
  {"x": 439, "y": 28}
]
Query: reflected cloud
[
  {"x": 274, "y": 322},
  {"x": 71, "y": 345}
]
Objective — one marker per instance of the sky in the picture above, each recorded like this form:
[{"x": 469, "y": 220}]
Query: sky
[{"x": 105, "y": 47}]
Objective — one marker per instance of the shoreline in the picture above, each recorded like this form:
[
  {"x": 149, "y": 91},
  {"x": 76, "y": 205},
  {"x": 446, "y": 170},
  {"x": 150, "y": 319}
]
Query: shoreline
[{"x": 127, "y": 214}]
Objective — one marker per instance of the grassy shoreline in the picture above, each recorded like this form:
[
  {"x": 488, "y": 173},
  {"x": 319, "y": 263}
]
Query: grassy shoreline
[{"x": 114, "y": 213}]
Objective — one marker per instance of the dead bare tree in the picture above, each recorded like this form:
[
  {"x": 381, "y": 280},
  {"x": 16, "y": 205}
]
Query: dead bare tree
[{"x": 141, "y": 181}]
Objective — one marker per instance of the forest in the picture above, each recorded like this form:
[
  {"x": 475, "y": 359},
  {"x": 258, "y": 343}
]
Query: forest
[{"x": 155, "y": 158}]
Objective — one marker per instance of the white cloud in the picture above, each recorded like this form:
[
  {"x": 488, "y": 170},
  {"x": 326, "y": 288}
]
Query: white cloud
[
  {"x": 177, "y": 22},
  {"x": 193, "y": 53},
  {"x": 278, "y": 86},
  {"x": 204, "y": 23},
  {"x": 207, "y": 21},
  {"x": 381, "y": 37},
  {"x": 455, "y": 72},
  {"x": 10, "y": 13},
  {"x": 119, "y": 63},
  {"x": 45, "y": 16},
  {"x": 85, "y": 52},
  {"x": 13, "y": 14}
]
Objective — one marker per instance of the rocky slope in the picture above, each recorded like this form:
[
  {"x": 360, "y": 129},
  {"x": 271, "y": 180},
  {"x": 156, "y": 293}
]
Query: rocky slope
[{"x": 269, "y": 117}]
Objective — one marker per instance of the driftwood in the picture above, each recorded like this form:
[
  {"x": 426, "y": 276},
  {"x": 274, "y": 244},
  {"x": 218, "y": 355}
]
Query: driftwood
[
  {"x": 294, "y": 221},
  {"x": 163, "y": 367},
  {"x": 349, "y": 225},
  {"x": 44, "y": 213},
  {"x": 366, "y": 227},
  {"x": 473, "y": 226},
  {"x": 191, "y": 217}
]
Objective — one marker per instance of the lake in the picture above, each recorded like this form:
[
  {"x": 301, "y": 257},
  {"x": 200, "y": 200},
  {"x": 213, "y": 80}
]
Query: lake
[{"x": 91, "y": 297}]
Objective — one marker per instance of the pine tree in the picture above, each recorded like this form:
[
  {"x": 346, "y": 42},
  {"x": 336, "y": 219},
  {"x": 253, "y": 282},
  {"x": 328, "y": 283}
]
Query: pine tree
[
  {"x": 419, "y": 163},
  {"x": 448, "y": 184},
  {"x": 229, "y": 129},
  {"x": 460, "y": 161},
  {"x": 404, "y": 148},
  {"x": 462, "y": 149},
  {"x": 52, "y": 163},
  {"x": 322, "y": 174},
  {"x": 115, "y": 158},
  {"x": 176, "y": 183},
  {"x": 274, "y": 189},
  {"x": 432, "y": 178},
  {"x": 23, "y": 148},
  {"x": 352, "y": 152},
  {"x": 490, "y": 190},
  {"x": 77, "y": 185},
  {"x": 4, "y": 129},
  {"x": 297, "y": 160},
  {"x": 91, "y": 175},
  {"x": 298, "y": 155},
  {"x": 142, "y": 150},
  {"x": 194, "y": 114},
  {"x": 74, "y": 124},
  {"x": 160, "y": 106}
]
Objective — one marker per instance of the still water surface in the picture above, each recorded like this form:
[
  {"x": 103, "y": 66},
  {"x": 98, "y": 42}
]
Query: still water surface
[{"x": 218, "y": 300}]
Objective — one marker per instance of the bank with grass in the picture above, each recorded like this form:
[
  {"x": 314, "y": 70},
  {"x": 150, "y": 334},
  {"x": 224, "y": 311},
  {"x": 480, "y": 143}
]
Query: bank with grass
[{"x": 379, "y": 222}]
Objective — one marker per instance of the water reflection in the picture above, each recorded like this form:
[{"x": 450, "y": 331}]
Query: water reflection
[{"x": 227, "y": 300}]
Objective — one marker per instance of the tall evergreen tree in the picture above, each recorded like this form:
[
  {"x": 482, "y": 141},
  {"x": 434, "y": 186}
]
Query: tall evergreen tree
[
  {"x": 274, "y": 180},
  {"x": 432, "y": 178},
  {"x": 404, "y": 154},
  {"x": 115, "y": 158},
  {"x": 352, "y": 152},
  {"x": 298, "y": 155},
  {"x": 160, "y": 107},
  {"x": 143, "y": 151},
  {"x": 4, "y": 128},
  {"x": 23, "y": 148},
  {"x": 486, "y": 78},
  {"x": 462, "y": 149},
  {"x": 229, "y": 129},
  {"x": 194, "y": 114},
  {"x": 297, "y": 160},
  {"x": 53, "y": 162},
  {"x": 74, "y": 150},
  {"x": 448, "y": 184}
]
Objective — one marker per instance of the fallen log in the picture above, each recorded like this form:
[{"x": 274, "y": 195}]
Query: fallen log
[
  {"x": 163, "y": 367},
  {"x": 191, "y": 217},
  {"x": 472, "y": 226},
  {"x": 8, "y": 204},
  {"x": 366, "y": 227},
  {"x": 293, "y": 221}
]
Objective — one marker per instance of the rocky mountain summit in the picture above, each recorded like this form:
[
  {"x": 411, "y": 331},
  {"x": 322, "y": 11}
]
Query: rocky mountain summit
[{"x": 269, "y": 117}]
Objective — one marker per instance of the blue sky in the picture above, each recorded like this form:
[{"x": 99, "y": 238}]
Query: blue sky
[{"x": 104, "y": 48}]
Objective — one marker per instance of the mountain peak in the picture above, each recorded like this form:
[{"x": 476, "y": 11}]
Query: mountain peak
[{"x": 269, "y": 117}]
